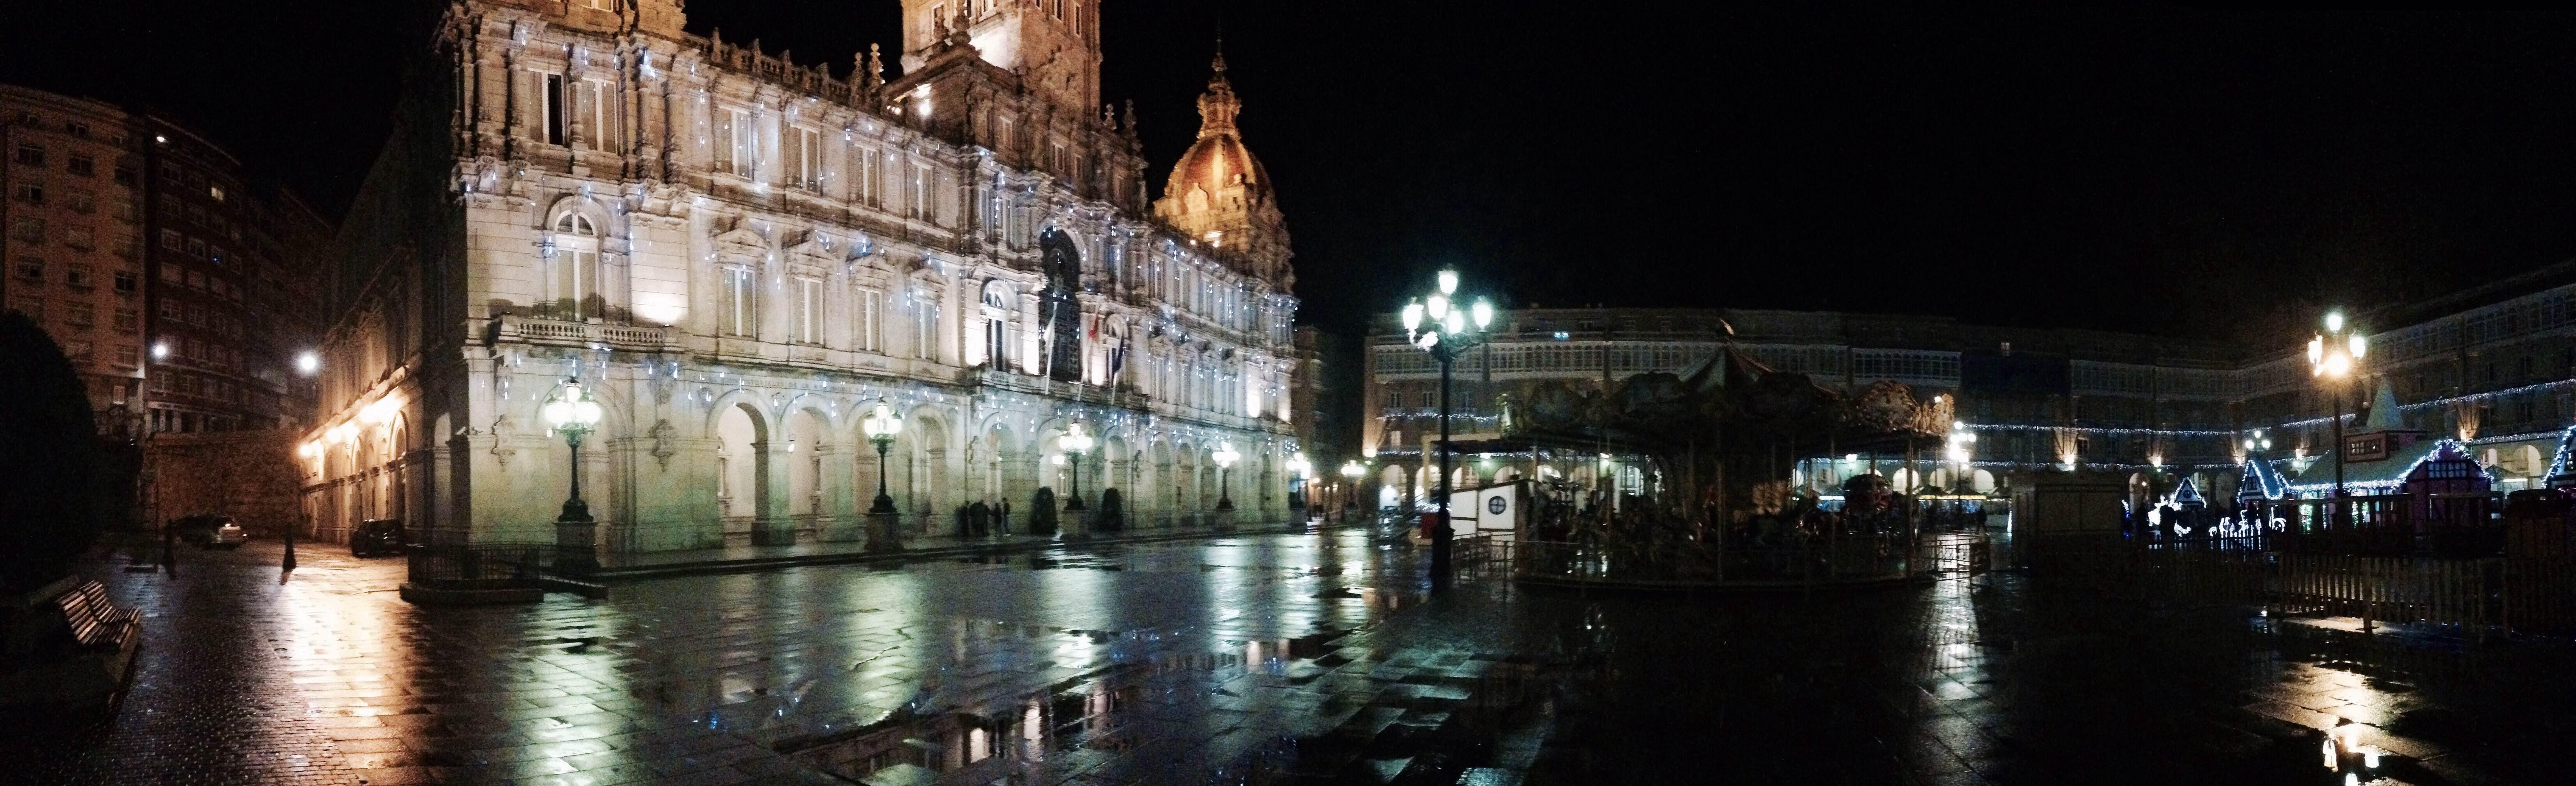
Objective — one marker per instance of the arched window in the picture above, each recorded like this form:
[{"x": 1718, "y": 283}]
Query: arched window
[{"x": 575, "y": 274}]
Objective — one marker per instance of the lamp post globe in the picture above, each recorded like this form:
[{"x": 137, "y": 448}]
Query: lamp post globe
[
  {"x": 1435, "y": 324},
  {"x": 572, "y": 411},
  {"x": 881, "y": 425},
  {"x": 1076, "y": 441},
  {"x": 1225, "y": 458},
  {"x": 2334, "y": 358}
]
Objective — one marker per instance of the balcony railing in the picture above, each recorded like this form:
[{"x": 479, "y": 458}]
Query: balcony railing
[{"x": 556, "y": 332}]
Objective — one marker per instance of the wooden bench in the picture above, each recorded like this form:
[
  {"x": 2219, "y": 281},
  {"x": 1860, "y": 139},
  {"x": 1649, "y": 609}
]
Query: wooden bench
[{"x": 94, "y": 620}]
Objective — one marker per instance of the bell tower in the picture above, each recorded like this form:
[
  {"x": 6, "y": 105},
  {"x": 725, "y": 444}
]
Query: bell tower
[{"x": 1053, "y": 45}]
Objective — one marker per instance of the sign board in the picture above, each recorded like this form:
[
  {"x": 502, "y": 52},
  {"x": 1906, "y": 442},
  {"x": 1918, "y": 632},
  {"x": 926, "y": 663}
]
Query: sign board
[{"x": 1493, "y": 511}]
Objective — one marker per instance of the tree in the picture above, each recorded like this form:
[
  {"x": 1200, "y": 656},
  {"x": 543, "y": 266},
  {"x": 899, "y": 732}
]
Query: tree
[{"x": 55, "y": 499}]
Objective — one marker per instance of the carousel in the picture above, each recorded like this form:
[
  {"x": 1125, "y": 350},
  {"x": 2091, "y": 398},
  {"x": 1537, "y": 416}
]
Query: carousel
[{"x": 1721, "y": 503}]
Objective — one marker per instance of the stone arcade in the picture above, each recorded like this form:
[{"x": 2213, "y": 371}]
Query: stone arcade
[{"x": 742, "y": 254}]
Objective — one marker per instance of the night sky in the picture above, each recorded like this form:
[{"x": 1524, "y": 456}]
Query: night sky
[{"x": 2179, "y": 172}]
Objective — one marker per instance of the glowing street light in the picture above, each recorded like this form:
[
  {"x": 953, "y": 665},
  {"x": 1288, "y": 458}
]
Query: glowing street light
[
  {"x": 2334, "y": 356},
  {"x": 307, "y": 363},
  {"x": 1448, "y": 334},
  {"x": 1225, "y": 458},
  {"x": 881, "y": 425},
  {"x": 572, "y": 411},
  {"x": 1075, "y": 443}
]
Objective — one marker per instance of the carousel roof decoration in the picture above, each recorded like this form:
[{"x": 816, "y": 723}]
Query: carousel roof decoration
[{"x": 2261, "y": 480}]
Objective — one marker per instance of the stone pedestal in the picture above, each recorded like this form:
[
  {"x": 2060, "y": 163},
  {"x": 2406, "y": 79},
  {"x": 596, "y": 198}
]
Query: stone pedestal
[
  {"x": 885, "y": 532},
  {"x": 576, "y": 552},
  {"x": 1222, "y": 519}
]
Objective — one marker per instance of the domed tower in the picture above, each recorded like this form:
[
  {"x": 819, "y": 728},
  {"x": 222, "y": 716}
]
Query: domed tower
[{"x": 1220, "y": 195}]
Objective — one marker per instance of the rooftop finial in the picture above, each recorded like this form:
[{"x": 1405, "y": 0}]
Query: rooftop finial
[{"x": 1218, "y": 108}]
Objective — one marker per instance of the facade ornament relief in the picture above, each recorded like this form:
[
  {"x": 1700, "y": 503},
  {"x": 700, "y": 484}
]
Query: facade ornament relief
[{"x": 665, "y": 437}]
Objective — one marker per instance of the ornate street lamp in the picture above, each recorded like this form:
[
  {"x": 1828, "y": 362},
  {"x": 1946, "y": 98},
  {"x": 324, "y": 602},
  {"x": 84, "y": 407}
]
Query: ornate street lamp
[
  {"x": 880, "y": 426},
  {"x": 306, "y": 364},
  {"x": 572, "y": 411},
  {"x": 2334, "y": 356},
  {"x": 1225, "y": 458},
  {"x": 1076, "y": 441},
  {"x": 1448, "y": 335}
]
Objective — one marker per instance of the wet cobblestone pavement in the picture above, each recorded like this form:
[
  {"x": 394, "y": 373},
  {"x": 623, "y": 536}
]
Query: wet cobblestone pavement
[{"x": 1266, "y": 659}]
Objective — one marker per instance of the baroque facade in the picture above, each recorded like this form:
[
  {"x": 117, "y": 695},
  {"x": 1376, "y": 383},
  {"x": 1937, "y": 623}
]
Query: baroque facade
[{"x": 743, "y": 254}]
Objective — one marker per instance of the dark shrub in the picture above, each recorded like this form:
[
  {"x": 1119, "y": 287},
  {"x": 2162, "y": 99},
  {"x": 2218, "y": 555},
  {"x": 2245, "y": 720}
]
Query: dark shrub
[{"x": 51, "y": 507}]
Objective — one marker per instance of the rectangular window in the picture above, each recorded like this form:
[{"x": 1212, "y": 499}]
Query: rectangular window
[
  {"x": 215, "y": 192},
  {"x": 554, "y": 109},
  {"x": 871, "y": 177},
  {"x": 804, "y": 151},
  {"x": 171, "y": 240},
  {"x": 809, "y": 311},
  {"x": 925, "y": 330},
  {"x": 865, "y": 319},
  {"x": 79, "y": 275},
  {"x": 30, "y": 191},
  {"x": 127, "y": 319},
  {"x": 594, "y": 116},
  {"x": 737, "y": 318},
  {"x": 125, "y": 176},
  {"x": 30, "y": 305},
  {"x": 196, "y": 248},
  {"x": 918, "y": 195},
  {"x": 737, "y": 143},
  {"x": 171, "y": 309},
  {"x": 79, "y": 314},
  {"x": 80, "y": 236},
  {"x": 171, "y": 273},
  {"x": 81, "y": 164},
  {"x": 83, "y": 200},
  {"x": 129, "y": 355},
  {"x": 31, "y": 155}
]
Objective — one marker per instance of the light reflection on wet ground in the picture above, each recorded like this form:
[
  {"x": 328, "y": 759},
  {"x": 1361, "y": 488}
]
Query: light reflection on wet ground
[{"x": 1277, "y": 659}]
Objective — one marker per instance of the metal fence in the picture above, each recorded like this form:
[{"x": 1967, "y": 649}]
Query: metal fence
[{"x": 483, "y": 565}]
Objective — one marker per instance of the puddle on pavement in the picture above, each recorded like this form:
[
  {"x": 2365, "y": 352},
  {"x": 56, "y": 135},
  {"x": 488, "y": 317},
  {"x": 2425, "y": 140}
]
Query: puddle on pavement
[{"x": 1151, "y": 721}]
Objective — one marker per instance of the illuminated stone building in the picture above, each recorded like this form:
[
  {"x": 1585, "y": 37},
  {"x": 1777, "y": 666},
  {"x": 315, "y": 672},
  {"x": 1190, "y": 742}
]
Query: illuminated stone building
[
  {"x": 743, "y": 254},
  {"x": 2493, "y": 367}
]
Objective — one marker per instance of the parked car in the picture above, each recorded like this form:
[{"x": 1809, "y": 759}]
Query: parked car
[
  {"x": 376, "y": 536},
  {"x": 209, "y": 531}
]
